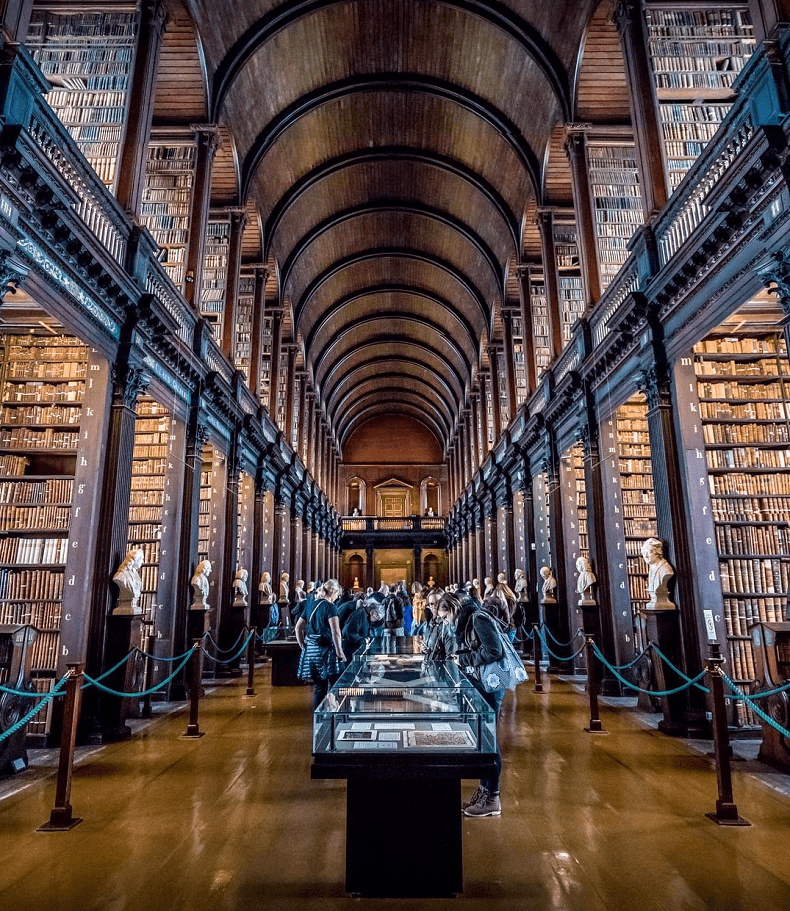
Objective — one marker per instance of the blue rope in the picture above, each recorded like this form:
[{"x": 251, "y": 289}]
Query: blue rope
[
  {"x": 560, "y": 657},
  {"x": 779, "y": 689},
  {"x": 749, "y": 700},
  {"x": 154, "y": 689},
  {"x": 633, "y": 686},
  {"x": 556, "y": 641},
  {"x": 677, "y": 670},
  {"x": 115, "y": 667},
  {"x": 237, "y": 655},
  {"x": 47, "y": 697},
  {"x": 166, "y": 660},
  {"x": 639, "y": 657},
  {"x": 222, "y": 651}
]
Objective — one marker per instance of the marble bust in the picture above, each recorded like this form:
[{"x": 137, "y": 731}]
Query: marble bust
[
  {"x": 130, "y": 585},
  {"x": 585, "y": 581},
  {"x": 548, "y": 585},
  {"x": 265, "y": 589},
  {"x": 240, "y": 588},
  {"x": 660, "y": 573},
  {"x": 200, "y": 585}
]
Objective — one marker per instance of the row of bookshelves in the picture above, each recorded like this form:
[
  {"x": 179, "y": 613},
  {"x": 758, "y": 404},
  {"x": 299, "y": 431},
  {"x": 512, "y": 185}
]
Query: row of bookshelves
[
  {"x": 16, "y": 517},
  {"x": 748, "y": 457},
  {"x": 31, "y": 585},
  {"x": 753, "y": 539},
  {"x": 750, "y": 485},
  {"x": 33, "y": 550},
  {"x": 746, "y": 430},
  {"x": 50, "y": 438},
  {"x": 43, "y": 614},
  {"x": 751, "y": 367},
  {"x": 49, "y": 490},
  {"x": 767, "y": 575},
  {"x": 42, "y": 392},
  {"x": 741, "y": 613},
  {"x": 750, "y": 509},
  {"x": 26, "y": 414}
]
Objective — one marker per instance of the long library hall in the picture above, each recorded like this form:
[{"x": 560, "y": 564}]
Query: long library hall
[{"x": 356, "y": 357}]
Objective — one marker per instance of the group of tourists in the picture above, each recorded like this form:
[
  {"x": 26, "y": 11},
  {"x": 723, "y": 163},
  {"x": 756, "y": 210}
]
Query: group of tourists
[{"x": 456, "y": 623}]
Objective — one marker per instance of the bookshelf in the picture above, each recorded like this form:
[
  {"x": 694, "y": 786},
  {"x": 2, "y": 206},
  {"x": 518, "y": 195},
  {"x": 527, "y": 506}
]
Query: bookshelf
[
  {"x": 519, "y": 359},
  {"x": 617, "y": 203},
  {"x": 242, "y": 350},
  {"x": 695, "y": 55},
  {"x": 574, "y": 518},
  {"x": 638, "y": 502},
  {"x": 743, "y": 384},
  {"x": 42, "y": 385},
  {"x": 87, "y": 57},
  {"x": 570, "y": 282},
  {"x": 266, "y": 359},
  {"x": 204, "y": 511},
  {"x": 214, "y": 282},
  {"x": 167, "y": 200},
  {"x": 152, "y": 431},
  {"x": 540, "y": 325}
]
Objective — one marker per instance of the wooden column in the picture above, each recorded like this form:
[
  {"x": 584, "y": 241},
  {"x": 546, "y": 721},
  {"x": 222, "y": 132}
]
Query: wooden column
[
  {"x": 238, "y": 219},
  {"x": 644, "y": 106},
  {"x": 307, "y": 561},
  {"x": 301, "y": 438},
  {"x": 510, "y": 367},
  {"x": 133, "y": 153},
  {"x": 551, "y": 280},
  {"x": 290, "y": 394},
  {"x": 274, "y": 372},
  {"x": 256, "y": 347},
  {"x": 256, "y": 568},
  {"x": 564, "y": 590},
  {"x": 229, "y": 623},
  {"x": 207, "y": 136},
  {"x": 576, "y": 147},
  {"x": 525, "y": 300},
  {"x": 496, "y": 400},
  {"x": 510, "y": 543}
]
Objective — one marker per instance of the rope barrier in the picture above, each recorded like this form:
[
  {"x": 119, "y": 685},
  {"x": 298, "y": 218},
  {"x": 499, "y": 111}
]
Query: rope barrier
[
  {"x": 234, "y": 657},
  {"x": 678, "y": 689},
  {"x": 115, "y": 667},
  {"x": 46, "y": 697},
  {"x": 561, "y": 657},
  {"x": 90, "y": 681},
  {"x": 677, "y": 670},
  {"x": 749, "y": 700},
  {"x": 556, "y": 641},
  {"x": 166, "y": 660},
  {"x": 223, "y": 651},
  {"x": 639, "y": 657},
  {"x": 779, "y": 689}
]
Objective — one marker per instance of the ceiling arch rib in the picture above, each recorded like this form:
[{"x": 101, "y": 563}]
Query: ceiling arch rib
[
  {"x": 324, "y": 323},
  {"x": 373, "y": 357},
  {"x": 387, "y": 207},
  {"x": 389, "y": 156},
  {"x": 420, "y": 327},
  {"x": 471, "y": 103},
  {"x": 496, "y": 14},
  {"x": 471, "y": 291},
  {"x": 384, "y": 395},
  {"x": 364, "y": 411},
  {"x": 417, "y": 352},
  {"x": 384, "y": 386},
  {"x": 393, "y": 369}
]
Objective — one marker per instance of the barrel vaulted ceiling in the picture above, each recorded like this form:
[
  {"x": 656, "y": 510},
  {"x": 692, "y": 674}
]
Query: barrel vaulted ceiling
[{"x": 395, "y": 151}]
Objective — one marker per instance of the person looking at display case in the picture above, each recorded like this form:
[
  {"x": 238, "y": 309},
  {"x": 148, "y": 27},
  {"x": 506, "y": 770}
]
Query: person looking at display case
[
  {"x": 441, "y": 641},
  {"x": 319, "y": 636},
  {"x": 480, "y": 642}
]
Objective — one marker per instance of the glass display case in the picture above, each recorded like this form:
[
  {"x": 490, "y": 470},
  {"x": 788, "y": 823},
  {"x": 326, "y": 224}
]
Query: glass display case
[{"x": 401, "y": 702}]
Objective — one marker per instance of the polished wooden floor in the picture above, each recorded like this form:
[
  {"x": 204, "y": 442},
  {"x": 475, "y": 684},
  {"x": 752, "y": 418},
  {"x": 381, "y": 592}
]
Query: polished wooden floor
[{"x": 233, "y": 821}]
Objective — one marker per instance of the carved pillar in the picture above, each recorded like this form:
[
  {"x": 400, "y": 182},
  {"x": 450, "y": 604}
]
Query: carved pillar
[
  {"x": 510, "y": 541},
  {"x": 274, "y": 373},
  {"x": 559, "y": 623},
  {"x": 207, "y": 136},
  {"x": 133, "y": 153},
  {"x": 510, "y": 367},
  {"x": 644, "y": 107},
  {"x": 527, "y": 326},
  {"x": 494, "y": 393},
  {"x": 551, "y": 280},
  {"x": 687, "y": 713},
  {"x": 294, "y": 563},
  {"x": 110, "y": 639},
  {"x": 576, "y": 147},
  {"x": 230, "y": 619},
  {"x": 256, "y": 347},
  {"x": 257, "y": 618},
  {"x": 238, "y": 219},
  {"x": 290, "y": 395},
  {"x": 307, "y": 561}
]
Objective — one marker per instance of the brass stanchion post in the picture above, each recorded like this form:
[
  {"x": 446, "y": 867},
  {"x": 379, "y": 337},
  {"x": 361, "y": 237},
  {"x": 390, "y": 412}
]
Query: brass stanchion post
[
  {"x": 726, "y": 811},
  {"x": 61, "y": 818}
]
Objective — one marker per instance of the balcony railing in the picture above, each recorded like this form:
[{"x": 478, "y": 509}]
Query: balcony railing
[{"x": 407, "y": 523}]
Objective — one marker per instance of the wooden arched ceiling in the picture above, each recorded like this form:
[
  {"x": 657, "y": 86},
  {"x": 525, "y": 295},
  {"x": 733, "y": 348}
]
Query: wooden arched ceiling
[{"x": 393, "y": 149}]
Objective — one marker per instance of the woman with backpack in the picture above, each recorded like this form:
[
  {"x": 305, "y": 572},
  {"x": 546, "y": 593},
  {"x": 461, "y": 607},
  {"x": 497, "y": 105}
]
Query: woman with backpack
[
  {"x": 319, "y": 637},
  {"x": 480, "y": 632}
]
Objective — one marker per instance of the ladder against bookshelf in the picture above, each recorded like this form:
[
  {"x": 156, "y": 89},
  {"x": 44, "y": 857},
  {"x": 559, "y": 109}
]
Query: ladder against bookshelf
[
  {"x": 744, "y": 391},
  {"x": 695, "y": 55},
  {"x": 42, "y": 386},
  {"x": 87, "y": 57},
  {"x": 617, "y": 202},
  {"x": 167, "y": 198},
  {"x": 540, "y": 324},
  {"x": 638, "y": 502},
  {"x": 215, "y": 273}
]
